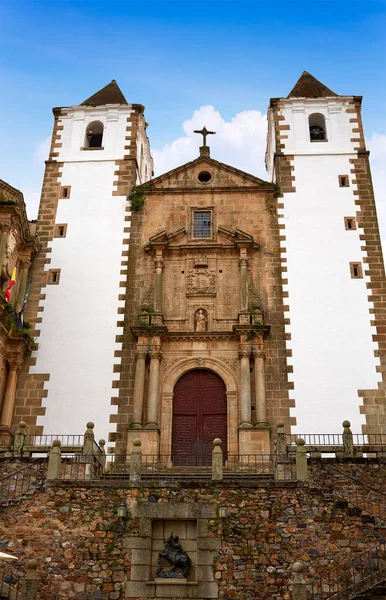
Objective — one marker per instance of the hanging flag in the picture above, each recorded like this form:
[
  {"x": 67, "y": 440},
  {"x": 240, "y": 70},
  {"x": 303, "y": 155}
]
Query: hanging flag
[
  {"x": 7, "y": 295},
  {"x": 20, "y": 318}
]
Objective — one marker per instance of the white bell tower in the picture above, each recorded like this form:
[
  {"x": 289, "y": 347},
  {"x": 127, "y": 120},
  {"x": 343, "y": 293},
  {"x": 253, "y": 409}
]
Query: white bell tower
[{"x": 331, "y": 255}]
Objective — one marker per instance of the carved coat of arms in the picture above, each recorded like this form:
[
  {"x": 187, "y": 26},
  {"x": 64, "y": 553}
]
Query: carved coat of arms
[{"x": 201, "y": 281}]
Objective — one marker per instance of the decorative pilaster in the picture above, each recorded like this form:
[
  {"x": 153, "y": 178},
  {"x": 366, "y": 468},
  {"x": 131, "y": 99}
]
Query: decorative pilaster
[
  {"x": 261, "y": 406},
  {"x": 244, "y": 279},
  {"x": 24, "y": 268},
  {"x": 3, "y": 244},
  {"x": 10, "y": 390},
  {"x": 139, "y": 386},
  {"x": 245, "y": 387},
  {"x": 159, "y": 265},
  {"x": 153, "y": 391}
]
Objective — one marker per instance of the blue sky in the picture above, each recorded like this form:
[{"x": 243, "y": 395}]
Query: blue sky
[{"x": 176, "y": 57}]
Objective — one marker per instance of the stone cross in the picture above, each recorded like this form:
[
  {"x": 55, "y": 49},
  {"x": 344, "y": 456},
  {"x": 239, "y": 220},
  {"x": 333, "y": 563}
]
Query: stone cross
[{"x": 204, "y": 132}]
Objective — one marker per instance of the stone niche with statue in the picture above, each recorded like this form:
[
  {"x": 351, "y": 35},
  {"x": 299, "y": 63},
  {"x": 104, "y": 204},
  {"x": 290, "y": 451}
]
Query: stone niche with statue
[{"x": 172, "y": 556}]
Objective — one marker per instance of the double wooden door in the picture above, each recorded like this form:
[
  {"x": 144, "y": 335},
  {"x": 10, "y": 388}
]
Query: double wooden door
[{"x": 199, "y": 416}]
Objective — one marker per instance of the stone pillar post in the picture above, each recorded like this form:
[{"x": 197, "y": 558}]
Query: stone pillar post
[
  {"x": 53, "y": 468},
  {"x": 281, "y": 446},
  {"x": 153, "y": 391},
  {"x": 18, "y": 441},
  {"x": 245, "y": 386},
  {"x": 301, "y": 461},
  {"x": 139, "y": 386},
  {"x": 261, "y": 405},
  {"x": 348, "y": 442},
  {"x": 88, "y": 443},
  {"x": 24, "y": 268},
  {"x": 159, "y": 265},
  {"x": 244, "y": 279},
  {"x": 136, "y": 462},
  {"x": 9, "y": 395},
  {"x": 102, "y": 458},
  {"x": 29, "y": 588},
  {"x": 299, "y": 589},
  {"x": 217, "y": 460},
  {"x": 3, "y": 244}
]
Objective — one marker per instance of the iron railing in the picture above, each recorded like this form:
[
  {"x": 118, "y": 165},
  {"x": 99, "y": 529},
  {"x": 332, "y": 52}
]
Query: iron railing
[
  {"x": 360, "y": 495},
  {"x": 336, "y": 439},
  {"x": 46, "y": 440},
  {"x": 354, "y": 577},
  {"x": 80, "y": 467},
  {"x": 21, "y": 481},
  {"x": 10, "y": 583}
]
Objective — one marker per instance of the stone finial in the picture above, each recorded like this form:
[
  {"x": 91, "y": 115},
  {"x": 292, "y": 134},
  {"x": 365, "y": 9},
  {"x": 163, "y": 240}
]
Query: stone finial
[
  {"x": 102, "y": 444},
  {"x": 217, "y": 460},
  {"x": 88, "y": 443},
  {"x": 281, "y": 446},
  {"x": 18, "y": 441},
  {"x": 348, "y": 441},
  {"x": 136, "y": 461},
  {"x": 299, "y": 590},
  {"x": 301, "y": 460},
  {"x": 54, "y": 458},
  {"x": 30, "y": 584}
]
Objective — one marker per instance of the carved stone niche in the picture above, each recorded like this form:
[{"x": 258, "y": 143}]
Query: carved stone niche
[
  {"x": 201, "y": 320},
  {"x": 157, "y": 522}
]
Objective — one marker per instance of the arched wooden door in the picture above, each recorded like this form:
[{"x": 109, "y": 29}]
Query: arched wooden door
[{"x": 199, "y": 416}]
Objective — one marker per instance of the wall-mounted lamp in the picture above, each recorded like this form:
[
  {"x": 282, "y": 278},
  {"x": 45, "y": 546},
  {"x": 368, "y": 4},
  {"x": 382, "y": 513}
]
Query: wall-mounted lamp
[
  {"x": 222, "y": 511},
  {"x": 122, "y": 516}
]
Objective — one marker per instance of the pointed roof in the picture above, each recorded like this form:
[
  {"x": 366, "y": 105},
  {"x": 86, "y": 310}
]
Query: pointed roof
[
  {"x": 110, "y": 94},
  {"x": 309, "y": 87}
]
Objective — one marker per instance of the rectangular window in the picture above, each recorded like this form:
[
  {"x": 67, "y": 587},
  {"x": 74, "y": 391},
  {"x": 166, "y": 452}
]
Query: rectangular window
[
  {"x": 65, "y": 191},
  {"x": 202, "y": 224},
  {"x": 53, "y": 276},
  {"x": 60, "y": 230},
  {"x": 356, "y": 270},
  {"x": 350, "y": 223},
  {"x": 344, "y": 181}
]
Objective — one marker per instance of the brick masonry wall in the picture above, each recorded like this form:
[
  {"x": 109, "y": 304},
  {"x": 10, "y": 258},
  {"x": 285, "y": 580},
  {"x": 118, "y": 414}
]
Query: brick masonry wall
[
  {"x": 73, "y": 534},
  {"x": 374, "y": 401}
]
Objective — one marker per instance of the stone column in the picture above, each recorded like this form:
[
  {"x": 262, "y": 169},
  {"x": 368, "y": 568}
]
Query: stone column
[
  {"x": 261, "y": 405},
  {"x": 244, "y": 281},
  {"x": 24, "y": 268},
  {"x": 9, "y": 395},
  {"x": 3, "y": 244},
  {"x": 29, "y": 590},
  {"x": 139, "y": 386},
  {"x": 245, "y": 386},
  {"x": 153, "y": 391},
  {"x": 159, "y": 265}
]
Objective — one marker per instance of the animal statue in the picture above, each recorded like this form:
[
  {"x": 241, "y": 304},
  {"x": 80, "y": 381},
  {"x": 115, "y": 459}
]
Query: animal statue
[{"x": 176, "y": 556}]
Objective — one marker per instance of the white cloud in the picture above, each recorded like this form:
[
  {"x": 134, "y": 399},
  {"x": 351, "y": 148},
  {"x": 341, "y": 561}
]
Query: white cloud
[{"x": 239, "y": 142}]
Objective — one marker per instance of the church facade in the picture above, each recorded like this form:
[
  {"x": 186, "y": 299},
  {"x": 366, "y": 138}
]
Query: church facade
[{"x": 205, "y": 303}]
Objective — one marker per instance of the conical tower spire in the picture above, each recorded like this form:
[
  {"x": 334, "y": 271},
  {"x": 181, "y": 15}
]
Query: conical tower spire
[
  {"x": 110, "y": 94},
  {"x": 307, "y": 86}
]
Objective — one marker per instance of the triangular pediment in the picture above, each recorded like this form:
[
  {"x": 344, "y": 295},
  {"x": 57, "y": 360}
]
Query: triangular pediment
[
  {"x": 221, "y": 176},
  {"x": 180, "y": 239}
]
